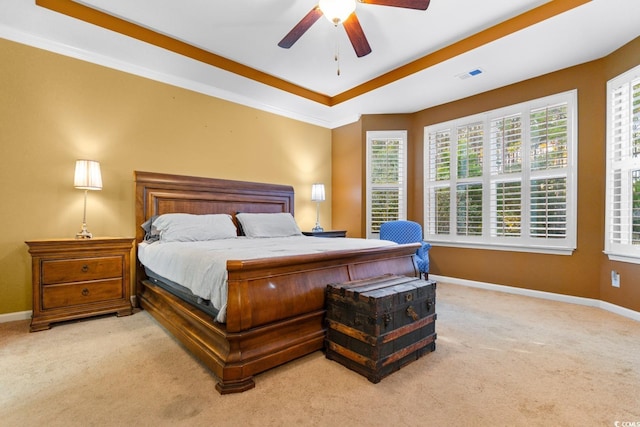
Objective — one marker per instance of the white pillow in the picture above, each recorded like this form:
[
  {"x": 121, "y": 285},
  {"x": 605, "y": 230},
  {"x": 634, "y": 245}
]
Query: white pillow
[
  {"x": 268, "y": 224},
  {"x": 182, "y": 227}
]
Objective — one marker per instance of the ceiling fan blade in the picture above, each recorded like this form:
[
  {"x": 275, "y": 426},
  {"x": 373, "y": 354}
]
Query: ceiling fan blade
[
  {"x": 356, "y": 35},
  {"x": 300, "y": 28},
  {"x": 408, "y": 4}
]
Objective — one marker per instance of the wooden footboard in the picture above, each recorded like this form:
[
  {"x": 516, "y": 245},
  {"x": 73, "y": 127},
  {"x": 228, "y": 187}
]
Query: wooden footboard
[
  {"x": 262, "y": 291},
  {"x": 275, "y": 312},
  {"x": 275, "y": 309}
]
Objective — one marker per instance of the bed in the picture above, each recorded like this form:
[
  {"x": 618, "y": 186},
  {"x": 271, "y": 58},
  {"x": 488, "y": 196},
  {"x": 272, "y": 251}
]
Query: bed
[{"x": 275, "y": 306}]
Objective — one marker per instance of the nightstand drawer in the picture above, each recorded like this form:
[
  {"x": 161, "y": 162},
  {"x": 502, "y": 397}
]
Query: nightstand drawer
[
  {"x": 64, "y": 295},
  {"x": 80, "y": 269}
]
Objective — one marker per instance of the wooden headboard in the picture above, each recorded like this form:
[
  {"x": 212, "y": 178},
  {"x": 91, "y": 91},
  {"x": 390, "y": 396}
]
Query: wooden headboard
[{"x": 158, "y": 193}]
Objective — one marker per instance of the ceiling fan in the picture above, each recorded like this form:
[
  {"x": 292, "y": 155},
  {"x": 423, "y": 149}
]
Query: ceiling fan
[{"x": 343, "y": 12}]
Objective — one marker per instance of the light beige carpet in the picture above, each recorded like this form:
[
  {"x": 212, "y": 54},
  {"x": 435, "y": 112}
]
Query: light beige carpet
[{"x": 501, "y": 360}]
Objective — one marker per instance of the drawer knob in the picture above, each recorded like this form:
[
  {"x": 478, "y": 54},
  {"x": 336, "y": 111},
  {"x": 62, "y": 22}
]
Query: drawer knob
[
  {"x": 85, "y": 292},
  {"x": 85, "y": 268}
]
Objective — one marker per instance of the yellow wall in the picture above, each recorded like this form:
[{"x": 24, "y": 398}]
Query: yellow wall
[
  {"x": 55, "y": 109},
  {"x": 586, "y": 273}
]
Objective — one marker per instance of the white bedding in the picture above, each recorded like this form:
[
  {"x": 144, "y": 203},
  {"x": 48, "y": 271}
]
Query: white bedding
[{"x": 202, "y": 266}]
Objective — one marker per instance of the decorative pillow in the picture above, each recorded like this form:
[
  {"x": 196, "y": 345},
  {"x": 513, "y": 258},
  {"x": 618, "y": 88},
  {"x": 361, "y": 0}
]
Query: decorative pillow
[
  {"x": 268, "y": 224},
  {"x": 182, "y": 227}
]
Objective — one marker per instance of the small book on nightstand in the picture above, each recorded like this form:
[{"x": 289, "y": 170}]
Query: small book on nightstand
[{"x": 328, "y": 233}]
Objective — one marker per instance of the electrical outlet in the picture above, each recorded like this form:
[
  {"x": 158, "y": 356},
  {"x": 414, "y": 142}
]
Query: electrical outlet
[{"x": 615, "y": 279}]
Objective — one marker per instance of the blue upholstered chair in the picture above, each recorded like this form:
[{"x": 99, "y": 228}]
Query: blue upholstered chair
[{"x": 408, "y": 232}]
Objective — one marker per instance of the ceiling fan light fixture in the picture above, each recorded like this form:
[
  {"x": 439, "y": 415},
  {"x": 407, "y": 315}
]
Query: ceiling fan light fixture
[
  {"x": 337, "y": 11},
  {"x": 343, "y": 12}
]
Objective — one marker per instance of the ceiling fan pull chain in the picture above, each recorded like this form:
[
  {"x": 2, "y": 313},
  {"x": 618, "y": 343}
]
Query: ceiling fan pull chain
[{"x": 336, "y": 56}]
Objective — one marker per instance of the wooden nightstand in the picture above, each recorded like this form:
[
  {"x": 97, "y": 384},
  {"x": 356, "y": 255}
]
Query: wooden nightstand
[
  {"x": 328, "y": 233},
  {"x": 76, "y": 278}
]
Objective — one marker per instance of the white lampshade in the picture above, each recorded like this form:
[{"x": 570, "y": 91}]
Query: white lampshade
[
  {"x": 337, "y": 11},
  {"x": 87, "y": 176},
  {"x": 317, "y": 193}
]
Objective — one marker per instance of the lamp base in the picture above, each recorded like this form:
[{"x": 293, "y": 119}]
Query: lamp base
[
  {"x": 84, "y": 233},
  {"x": 318, "y": 228}
]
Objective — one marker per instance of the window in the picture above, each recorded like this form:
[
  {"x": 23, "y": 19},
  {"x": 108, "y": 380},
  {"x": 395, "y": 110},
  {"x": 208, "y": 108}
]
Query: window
[
  {"x": 504, "y": 179},
  {"x": 622, "y": 228},
  {"x": 386, "y": 179}
]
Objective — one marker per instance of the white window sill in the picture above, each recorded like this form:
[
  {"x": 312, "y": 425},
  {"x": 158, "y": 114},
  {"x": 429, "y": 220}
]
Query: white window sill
[
  {"x": 509, "y": 248},
  {"x": 623, "y": 257}
]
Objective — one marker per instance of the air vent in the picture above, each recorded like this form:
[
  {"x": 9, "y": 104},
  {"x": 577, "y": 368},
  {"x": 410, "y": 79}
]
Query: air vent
[{"x": 472, "y": 73}]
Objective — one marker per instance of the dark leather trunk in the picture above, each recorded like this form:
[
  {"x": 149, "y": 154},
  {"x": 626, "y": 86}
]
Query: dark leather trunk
[{"x": 376, "y": 326}]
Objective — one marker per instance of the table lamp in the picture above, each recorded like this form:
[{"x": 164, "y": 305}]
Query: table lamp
[
  {"x": 317, "y": 195},
  {"x": 87, "y": 177}
]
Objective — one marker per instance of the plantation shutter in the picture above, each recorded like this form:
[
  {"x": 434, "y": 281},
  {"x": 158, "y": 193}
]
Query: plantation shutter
[
  {"x": 470, "y": 150},
  {"x": 438, "y": 199},
  {"x": 386, "y": 179},
  {"x": 506, "y": 176},
  {"x": 470, "y": 159},
  {"x": 549, "y": 154},
  {"x": 623, "y": 158}
]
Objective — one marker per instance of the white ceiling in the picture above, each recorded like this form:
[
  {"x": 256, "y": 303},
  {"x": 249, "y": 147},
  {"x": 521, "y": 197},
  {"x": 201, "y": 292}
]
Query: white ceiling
[{"x": 247, "y": 32}]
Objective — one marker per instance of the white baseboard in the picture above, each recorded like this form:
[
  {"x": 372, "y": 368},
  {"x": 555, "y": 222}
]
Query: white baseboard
[
  {"x": 12, "y": 317},
  {"x": 631, "y": 314}
]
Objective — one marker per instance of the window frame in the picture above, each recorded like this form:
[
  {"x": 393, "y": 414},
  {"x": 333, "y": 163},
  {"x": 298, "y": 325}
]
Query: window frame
[
  {"x": 402, "y": 187},
  {"x": 489, "y": 239},
  {"x": 624, "y": 252}
]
